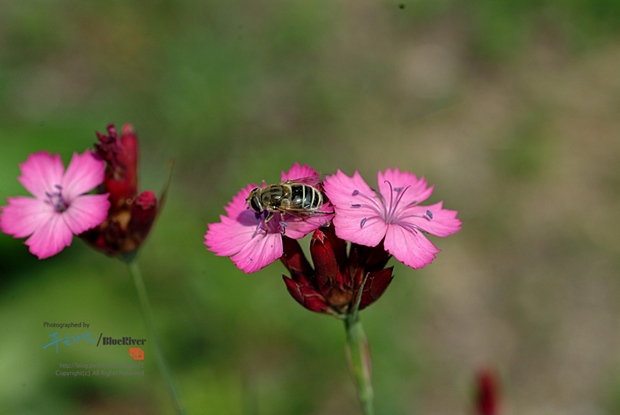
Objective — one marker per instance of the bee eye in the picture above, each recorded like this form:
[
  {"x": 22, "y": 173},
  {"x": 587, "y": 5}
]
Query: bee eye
[{"x": 255, "y": 204}]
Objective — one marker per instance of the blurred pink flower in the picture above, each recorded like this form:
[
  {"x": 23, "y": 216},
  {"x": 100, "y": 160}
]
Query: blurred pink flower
[
  {"x": 392, "y": 214},
  {"x": 253, "y": 243},
  {"x": 59, "y": 209}
]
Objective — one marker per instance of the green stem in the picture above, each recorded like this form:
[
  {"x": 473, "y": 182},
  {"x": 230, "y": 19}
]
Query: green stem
[
  {"x": 148, "y": 318},
  {"x": 358, "y": 356}
]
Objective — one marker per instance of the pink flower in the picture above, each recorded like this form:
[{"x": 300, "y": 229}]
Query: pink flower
[
  {"x": 59, "y": 208},
  {"x": 391, "y": 215},
  {"x": 251, "y": 241}
]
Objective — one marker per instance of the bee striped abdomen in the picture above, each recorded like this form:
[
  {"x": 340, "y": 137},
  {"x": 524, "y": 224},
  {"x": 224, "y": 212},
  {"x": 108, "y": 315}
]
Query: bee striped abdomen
[{"x": 295, "y": 198}]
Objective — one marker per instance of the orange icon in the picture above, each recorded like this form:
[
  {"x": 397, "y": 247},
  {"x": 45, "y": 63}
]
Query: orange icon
[{"x": 137, "y": 353}]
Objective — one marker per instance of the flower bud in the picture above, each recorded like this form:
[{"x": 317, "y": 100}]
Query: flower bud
[
  {"x": 304, "y": 293},
  {"x": 333, "y": 285},
  {"x": 131, "y": 216},
  {"x": 121, "y": 157},
  {"x": 487, "y": 393}
]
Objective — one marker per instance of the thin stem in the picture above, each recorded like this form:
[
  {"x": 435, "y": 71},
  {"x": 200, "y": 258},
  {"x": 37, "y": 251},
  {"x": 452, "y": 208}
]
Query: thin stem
[
  {"x": 148, "y": 318},
  {"x": 358, "y": 355}
]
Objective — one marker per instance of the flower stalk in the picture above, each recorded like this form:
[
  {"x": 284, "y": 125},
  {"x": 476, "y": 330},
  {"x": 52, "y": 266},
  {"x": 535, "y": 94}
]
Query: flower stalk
[
  {"x": 147, "y": 313},
  {"x": 358, "y": 355},
  {"x": 354, "y": 235}
]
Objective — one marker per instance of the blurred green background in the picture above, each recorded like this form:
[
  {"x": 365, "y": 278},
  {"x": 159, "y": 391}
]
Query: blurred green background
[{"x": 511, "y": 108}]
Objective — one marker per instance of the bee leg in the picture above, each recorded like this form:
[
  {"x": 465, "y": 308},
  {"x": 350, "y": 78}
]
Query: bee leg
[{"x": 268, "y": 216}]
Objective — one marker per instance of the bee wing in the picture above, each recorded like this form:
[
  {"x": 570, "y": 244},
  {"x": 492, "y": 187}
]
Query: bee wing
[{"x": 310, "y": 180}]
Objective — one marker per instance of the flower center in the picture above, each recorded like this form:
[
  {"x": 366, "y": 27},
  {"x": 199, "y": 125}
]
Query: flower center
[
  {"x": 56, "y": 200},
  {"x": 267, "y": 224},
  {"x": 392, "y": 212}
]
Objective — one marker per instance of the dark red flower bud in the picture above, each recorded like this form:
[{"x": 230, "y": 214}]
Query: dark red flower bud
[
  {"x": 329, "y": 256},
  {"x": 303, "y": 292},
  {"x": 487, "y": 393},
  {"x": 375, "y": 286},
  {"x": 369, "y": 257},
  {"x": 333, "y": 285},
  {"x": 143, "y": 211},
  {"x": 121, "y": 156},
  {"x": 130, "y": 217},
  {"x": 294, "y": 258}
]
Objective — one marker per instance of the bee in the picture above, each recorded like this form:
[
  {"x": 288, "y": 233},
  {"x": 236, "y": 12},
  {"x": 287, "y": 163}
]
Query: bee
[{"x": 293, "y": 197}]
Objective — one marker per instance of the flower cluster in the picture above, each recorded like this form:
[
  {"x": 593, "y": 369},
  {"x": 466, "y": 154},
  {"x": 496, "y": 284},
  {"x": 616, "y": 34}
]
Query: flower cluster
[{"x": 376, "y": 224}]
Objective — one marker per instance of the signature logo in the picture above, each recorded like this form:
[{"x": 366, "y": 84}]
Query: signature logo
[{"x": 68, "y": 340}]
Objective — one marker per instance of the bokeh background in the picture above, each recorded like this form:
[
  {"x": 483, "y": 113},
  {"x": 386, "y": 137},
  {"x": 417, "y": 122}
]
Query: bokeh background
[{"x": 511, "y": 108}]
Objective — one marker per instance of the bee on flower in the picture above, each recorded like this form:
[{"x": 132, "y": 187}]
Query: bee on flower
[
  {"x": 258, "y": 218},
  {"x": 356, "y": 230}
]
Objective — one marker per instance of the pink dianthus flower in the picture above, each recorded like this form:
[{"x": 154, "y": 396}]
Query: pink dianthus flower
[
  {"x": 392, "y": 214},
  {"x": 59, "y": 208},
  {"x": 251, "y": 241}
]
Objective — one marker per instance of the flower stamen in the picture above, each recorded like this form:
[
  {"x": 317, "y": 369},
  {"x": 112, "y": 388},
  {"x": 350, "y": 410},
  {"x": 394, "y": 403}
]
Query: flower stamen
[
  {"x": 391, "y": 213},
  {"x": 375, "y": 205},
  {"x": 56, "y": 200}
]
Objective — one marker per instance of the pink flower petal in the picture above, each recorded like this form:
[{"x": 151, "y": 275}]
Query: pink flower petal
[
  {"x": 301, "y": 172},
  {"x": 250, "y": 247},
  {"x": 259, "y": 252},
  {"x": 442, "y": 222},
  {"x": 238, "y": 204},
  {"x": 240, "y": 235},
  {"x": 297, "y": 228},
  {"x": 340, "y": 188},
  {"x": 409, "y": 246},
  {"x": 412, "y": 189},
  {"x": 50, "y": 238},
  {"x": 228, "y": 236},
  {"x": 24, "y": 215},
  {"x": 86, "y": 212},
  {"x": 84, "y": 173},
  {"x": 40, "y": 173},
  {"x": 356, "y": 218},
  {"x": 368, "y": 231}
]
